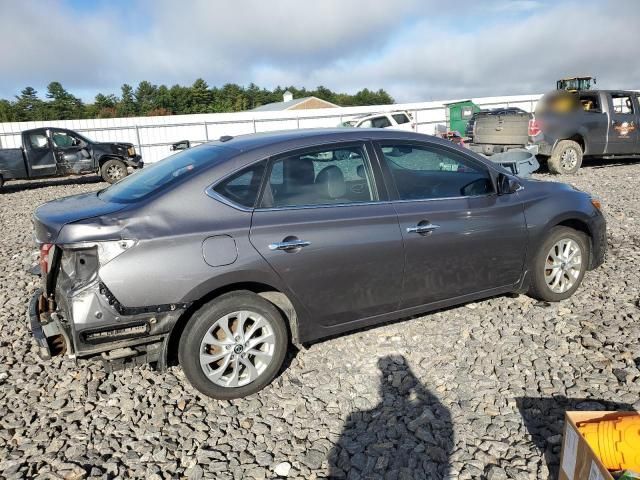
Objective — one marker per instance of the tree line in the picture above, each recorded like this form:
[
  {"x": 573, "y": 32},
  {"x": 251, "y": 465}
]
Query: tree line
[{"x": 150, "y": 100}]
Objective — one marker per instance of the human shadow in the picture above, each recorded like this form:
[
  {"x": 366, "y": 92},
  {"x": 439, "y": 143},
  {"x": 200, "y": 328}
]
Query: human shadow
[
  {"x": 544, "y": 418},
  {"x": 409, "y": 434}
]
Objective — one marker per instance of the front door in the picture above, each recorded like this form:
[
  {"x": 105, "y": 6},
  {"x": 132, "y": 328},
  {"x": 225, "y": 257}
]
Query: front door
[
  {"x": 460, "y": 237},
  {"x": 623, "y": 130},
  {"x": 322, "y": 229},
  {"x": 70, "y": 152},
  {"x": 40, "y": 158}
]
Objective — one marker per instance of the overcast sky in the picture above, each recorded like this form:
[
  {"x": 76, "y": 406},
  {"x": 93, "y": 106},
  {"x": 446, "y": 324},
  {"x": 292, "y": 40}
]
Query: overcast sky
[{"x": 417, "y": 50}]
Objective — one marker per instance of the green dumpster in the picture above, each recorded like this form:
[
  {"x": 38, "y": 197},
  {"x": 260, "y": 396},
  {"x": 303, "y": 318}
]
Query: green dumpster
[{"x": 458, "y": 115}]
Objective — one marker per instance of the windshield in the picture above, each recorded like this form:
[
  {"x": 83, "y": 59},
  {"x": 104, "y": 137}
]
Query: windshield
[{"x": 164, "y": 173}]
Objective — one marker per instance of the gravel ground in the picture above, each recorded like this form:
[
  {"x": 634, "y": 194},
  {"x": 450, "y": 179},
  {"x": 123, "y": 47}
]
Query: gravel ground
[{"x": 477, "y": 391}]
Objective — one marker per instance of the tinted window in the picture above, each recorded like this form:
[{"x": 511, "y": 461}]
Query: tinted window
[
  {"x": 38, "y": 140},
  {"x": 164, "y": 173},
  {"x": 422, "y": 172},
  {"x": 590, "y": 102},
  {"x": 380, "y": 122},
  {"x": 400, "y": 118},
  {"x": 324, "y": 177},
  {"x": 243, "y": 187}
]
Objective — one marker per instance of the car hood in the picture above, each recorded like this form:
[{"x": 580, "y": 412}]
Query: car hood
[{"x": 50, "y": 217}]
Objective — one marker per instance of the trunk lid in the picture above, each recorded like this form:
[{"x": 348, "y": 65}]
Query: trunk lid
[{"x": 50, "y": 217}]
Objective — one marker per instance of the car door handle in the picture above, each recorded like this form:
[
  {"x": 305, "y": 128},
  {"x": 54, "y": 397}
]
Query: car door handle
[
  {"x": 289, "y": 245},
  {"x": 429, "y": 227}
]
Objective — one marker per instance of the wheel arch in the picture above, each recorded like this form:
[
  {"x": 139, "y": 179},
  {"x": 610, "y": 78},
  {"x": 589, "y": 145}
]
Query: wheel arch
[
  {"x": 105, "y": 158},
  {"x": 270, "y": 293},
  {"x": 580, "y": 226},
  {"x": 576, "y": 137}
]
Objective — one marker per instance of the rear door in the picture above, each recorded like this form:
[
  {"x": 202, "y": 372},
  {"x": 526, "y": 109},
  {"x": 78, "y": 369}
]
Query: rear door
[
  {"x": 623, "y": 128},
  {"x": 460, "y": 237},
  {"x": 40, "y": 159},
  {"x": 322, "y": 228},
  {"x": 595, "y": 122}
]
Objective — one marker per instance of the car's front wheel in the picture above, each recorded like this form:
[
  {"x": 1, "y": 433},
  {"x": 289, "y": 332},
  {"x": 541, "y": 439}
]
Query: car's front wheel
[
  {"x": 233, "y": 346},
  {"x": 113, "y": 170},
  {"x": 560, "y": 264}
]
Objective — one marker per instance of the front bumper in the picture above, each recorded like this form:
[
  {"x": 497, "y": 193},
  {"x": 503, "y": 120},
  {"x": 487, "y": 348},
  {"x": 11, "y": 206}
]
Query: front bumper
[
  {"x": 46, "y": 331},
  {"x": 598, "y": 240},
  {"x": 134, "y": 162}
]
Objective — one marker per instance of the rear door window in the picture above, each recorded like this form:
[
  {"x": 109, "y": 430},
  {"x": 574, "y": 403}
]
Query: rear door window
[
  {"x": 322, "y": 177},
  {"x": 400, "y": 118},
  {"x": 421, "y": 172},
  {"x": 380, "y": 122}
]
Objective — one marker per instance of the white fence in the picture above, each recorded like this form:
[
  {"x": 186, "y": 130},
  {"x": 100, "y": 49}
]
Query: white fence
[{"x": 153, "y": 135}]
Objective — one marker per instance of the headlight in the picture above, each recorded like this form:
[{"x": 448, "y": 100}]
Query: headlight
[{"x": 131, "y": 151}]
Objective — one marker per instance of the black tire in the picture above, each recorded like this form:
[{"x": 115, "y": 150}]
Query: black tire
[
  {"x": 113, "y": 170},
  {"x": 540, "y": 266},
  {"x": 566, "y": 157},
  {"x": 205, "y": 318},
  {"x": 1, "y": 182}
]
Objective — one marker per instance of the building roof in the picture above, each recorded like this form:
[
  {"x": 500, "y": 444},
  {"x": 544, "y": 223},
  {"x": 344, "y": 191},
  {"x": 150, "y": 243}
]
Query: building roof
[{"x": 280, "y": 106}]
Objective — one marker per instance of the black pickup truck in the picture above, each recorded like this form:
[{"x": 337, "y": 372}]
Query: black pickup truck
[
  {"x": 57, "y": 152},
  {"x": 568, "y": 126}
]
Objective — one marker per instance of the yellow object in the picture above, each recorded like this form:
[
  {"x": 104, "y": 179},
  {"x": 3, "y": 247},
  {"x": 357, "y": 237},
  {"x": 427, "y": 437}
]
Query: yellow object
[{"x": 616, "y": 442}]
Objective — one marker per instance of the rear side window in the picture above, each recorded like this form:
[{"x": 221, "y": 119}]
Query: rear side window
[
  {"x": 337, "y": 176},
  {"x": 421, "y": 172},
  {"x": 400, "y": 118},
  {"x": 243, "y": 187},
  {"x": 590, "y": 103},
  {"x": 165, "y": 173},
  {"x": 38, "y": 140},
  {"x": 380, "y": 122}
]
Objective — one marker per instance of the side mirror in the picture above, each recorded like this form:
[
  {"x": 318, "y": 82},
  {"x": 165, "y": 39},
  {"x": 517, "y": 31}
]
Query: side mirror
[
  {"x": 507, "y": 184},
  {"x": 181, "y": 145}
]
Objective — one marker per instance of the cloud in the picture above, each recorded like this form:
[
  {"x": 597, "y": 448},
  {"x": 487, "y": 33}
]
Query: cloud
[{"x": 415, "y": 49}]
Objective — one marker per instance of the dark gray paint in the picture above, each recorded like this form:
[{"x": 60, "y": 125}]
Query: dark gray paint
[{"x": 361, "y": 266}]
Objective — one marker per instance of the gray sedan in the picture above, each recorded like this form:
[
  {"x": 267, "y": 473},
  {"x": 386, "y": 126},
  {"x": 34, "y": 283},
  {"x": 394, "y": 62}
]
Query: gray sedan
[{"x": 221, "y": 256}]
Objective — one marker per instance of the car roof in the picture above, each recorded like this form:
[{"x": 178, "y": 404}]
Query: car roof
[{"x": 309, "y": 137}]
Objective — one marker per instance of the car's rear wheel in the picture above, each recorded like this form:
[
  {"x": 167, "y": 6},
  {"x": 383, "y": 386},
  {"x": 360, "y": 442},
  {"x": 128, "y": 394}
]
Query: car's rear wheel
[
  {"x": 566, "y": 157},
  {"x": 233, "y": 346},
  {"x": 560, "y": 265},
  {"x": 113, "y": 170}
]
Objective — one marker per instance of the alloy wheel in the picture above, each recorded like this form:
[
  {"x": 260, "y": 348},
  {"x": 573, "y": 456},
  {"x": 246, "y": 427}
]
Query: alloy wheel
[
  {"x": 569, "y": 159},
  {"x": 237, "y": 349},
  {"x": 115, "y": 172},
  {"x": 563, "y": 265}
]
